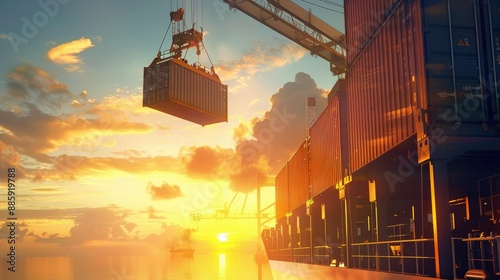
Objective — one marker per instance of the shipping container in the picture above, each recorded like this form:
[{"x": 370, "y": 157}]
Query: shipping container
[
  {"x": 190, "y": 92},
  {"x": 454, "y": 46},
  {"x": 298, "y": 179},
  {"x": 292, "y": 183},
  {"x": 434, "y": 59},
  {"x": 281, "y": 192},
  {"x": 325, "y": 139},
  {"x": 491, "y": 21},
  {"x": 462, "y": 47},
  {"x": 379, "y": 78}
]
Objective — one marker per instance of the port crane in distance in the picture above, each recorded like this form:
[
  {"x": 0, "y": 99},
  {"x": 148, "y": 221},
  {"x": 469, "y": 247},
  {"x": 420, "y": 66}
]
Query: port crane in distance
[
  {"x": 262, "y": 216},
  {"x": 300, "y": 26}
]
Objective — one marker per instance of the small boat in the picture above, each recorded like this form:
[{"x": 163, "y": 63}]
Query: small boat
[{"x": 183, "y": 252}]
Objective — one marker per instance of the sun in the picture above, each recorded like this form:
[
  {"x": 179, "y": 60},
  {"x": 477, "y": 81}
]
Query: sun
[{"x": 222, "y": 237}]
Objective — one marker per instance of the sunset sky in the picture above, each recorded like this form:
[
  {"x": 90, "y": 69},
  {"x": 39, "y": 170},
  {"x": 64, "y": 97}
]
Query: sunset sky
[{"x": 97, "y": 170}]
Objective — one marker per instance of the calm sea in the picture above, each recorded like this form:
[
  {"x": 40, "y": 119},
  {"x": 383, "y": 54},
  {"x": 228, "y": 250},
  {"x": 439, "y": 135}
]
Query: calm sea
[{"x": 203, "y": 267}]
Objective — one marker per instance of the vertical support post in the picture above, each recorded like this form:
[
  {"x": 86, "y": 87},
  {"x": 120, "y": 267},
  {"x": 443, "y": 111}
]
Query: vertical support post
[
  {"x": 311, "y": 245},
  {"x": 438, "y": 172},
  {"x": 346, "y": 218},
  {"x": 258, "y": 211}
]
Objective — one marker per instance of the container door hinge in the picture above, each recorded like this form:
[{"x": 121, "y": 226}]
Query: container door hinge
[
  {"x": 424, "y": 149},
  {"x": 422, "y": 124}
]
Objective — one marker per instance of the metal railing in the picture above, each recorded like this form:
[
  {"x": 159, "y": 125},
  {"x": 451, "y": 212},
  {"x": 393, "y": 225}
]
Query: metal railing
[
  {"x": 302, "y": 255},
  {"x": 322, "y": 255},
  {"x": 415, "y": 256},
  {"x": 483, "y": 253}
]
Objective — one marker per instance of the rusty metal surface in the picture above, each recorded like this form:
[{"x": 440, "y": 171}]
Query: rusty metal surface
[
  {"x": 281, "y": 191},
  {"x": 380, "y": 79},
  {"x": 298, "y": 189},
  {"x": 192, "y": 93},
  {"x": 326, "y": 164}
]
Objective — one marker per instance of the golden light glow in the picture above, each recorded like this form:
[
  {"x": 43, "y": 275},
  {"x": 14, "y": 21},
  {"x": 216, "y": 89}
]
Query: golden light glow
[{"x": 222, "y": 237}]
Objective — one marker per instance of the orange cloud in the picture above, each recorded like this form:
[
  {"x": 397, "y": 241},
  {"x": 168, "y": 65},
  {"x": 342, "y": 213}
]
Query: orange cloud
[
  {"x": 75, "y": 103},
  {"x": 214, "y": 163},
  {"x": 152, "y": 214},
  {"x": 36, "y": 133},
  {"x": 10, "y": 158},
  {"x": 36, "y": 129},
  {"x": 165, "y": 191},
  {"x": 30, "y": 84},
  {"x": 204, "y": 161},
  {"x": 277, "y": 134},
  {"x": 242, "y": 131},
  {"x": 43, "y": 190},
  {"x": 67, "y": 53},
  {"x": 70, "y": 167},
  {"x": 90, "y": 224}
]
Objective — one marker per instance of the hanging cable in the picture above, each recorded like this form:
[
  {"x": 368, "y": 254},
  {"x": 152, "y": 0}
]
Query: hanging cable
[
  {"x": 209, "y": 59},
  {"x": 165, "y": 36},
  {"x": 323, "y": 7},
  {"x": 332, "y": 3}
]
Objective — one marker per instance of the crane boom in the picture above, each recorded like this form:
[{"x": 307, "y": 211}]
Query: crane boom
[{"x": 300, "y": 26}]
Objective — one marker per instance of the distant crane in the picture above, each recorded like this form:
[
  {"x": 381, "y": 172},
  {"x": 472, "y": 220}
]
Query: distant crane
[{"x": 223, "y": 214}]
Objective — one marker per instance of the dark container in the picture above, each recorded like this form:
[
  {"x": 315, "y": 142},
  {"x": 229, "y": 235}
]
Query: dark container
[
  {"x": 190, "y": 92},
  {"x": 455, "y": 48},
  {"x": 491, "y": 21}
]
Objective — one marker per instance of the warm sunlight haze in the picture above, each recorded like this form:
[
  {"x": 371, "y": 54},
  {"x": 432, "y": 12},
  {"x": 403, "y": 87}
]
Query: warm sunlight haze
[
  {"x": 100, "y": 177},
  {"x": 222, "y": 237}
]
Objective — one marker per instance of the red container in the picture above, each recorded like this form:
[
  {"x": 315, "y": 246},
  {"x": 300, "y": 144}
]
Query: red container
[
  {"x": 437, "y": 59},
  {"x": 326, "y": 161},
  {"x": 190, "y": 92},
  {"x": 380, "y": 79},
  {"x": 281, "y": 191},
  {"x": 298, "y": 185},
  {"x": 292, "y": 189}
]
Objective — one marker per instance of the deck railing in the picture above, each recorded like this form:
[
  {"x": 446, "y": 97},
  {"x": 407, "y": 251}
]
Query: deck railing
[
  {"x": 302, "y": 254},
  {"x": 415, "y": 256},
  {"x": 483, "y": 253}
]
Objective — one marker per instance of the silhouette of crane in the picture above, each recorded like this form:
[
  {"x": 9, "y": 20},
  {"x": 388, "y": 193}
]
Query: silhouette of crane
[{"x": 260, "y": 215}]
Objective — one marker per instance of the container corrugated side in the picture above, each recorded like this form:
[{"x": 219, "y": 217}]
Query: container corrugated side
[
  {"x": 281, "y": 192},
  {"x": 182, "y": 90},
  {"x": 298, "y": 189},
  {"x": 362, "y": 19},
  {"x": 379, "y": 82},
  {"x": 325, "y": 139}
]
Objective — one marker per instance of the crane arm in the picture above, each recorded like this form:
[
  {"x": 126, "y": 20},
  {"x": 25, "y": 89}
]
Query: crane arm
[{"x": 300, "y": 26}]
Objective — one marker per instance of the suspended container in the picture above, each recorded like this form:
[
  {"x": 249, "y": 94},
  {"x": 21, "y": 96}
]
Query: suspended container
[{"x": 190, "y": 92}]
